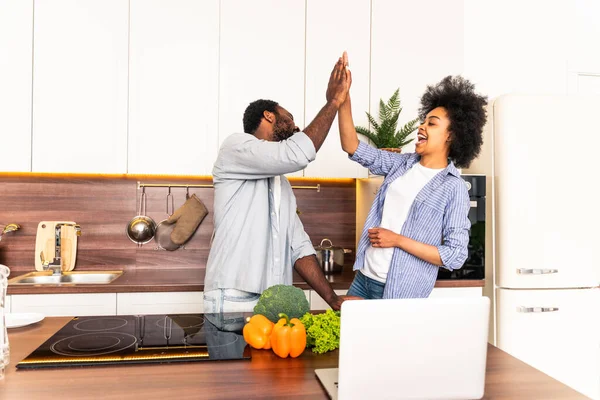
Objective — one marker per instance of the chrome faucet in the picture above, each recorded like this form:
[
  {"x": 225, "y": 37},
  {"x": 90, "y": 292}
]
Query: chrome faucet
[{"x": 55, "y": 265}]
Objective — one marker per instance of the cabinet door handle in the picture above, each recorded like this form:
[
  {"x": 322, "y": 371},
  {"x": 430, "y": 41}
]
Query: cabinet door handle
[
  {"x": 536, "y": 271},
  {"x": 536, "y": 309}
]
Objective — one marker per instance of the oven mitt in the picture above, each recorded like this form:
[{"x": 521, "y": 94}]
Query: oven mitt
[{"x": 186, "y": 219}]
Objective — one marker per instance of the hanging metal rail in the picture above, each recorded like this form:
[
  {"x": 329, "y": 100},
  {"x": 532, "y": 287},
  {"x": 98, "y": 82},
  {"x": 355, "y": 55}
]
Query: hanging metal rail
[{"x": 317, "y": 187}]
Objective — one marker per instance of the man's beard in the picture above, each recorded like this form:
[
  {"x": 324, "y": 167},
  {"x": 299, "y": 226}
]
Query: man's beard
[{"x": 282, "y": 132}]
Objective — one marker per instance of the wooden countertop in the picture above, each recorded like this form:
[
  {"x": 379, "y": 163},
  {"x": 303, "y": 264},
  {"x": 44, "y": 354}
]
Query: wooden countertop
[
  {"x": 264, "y": 376},
  {"x": 185, "y": 280}
]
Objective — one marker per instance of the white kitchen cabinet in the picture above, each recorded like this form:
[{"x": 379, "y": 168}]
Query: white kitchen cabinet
[
  {"x": 16, "y": 29},
  {"x": 80, "y": 86},
  {"x": 500, "y": 38},
  {"x": 307, "y": 295},
  {"x": 173, "y": 87},
  {"x": 583, "y": 35},
  {"x": 321, "y": 54},
  {"x": 366, "y": 190},
  {"x": 317, "y": 302},
  {"x": 555, "y": 331},
  {"x": 262, "y": 57},
  {"x": 413, "y": 44},
  {"x": 65, "y": 305},
  {"x": 160, "y": 303},
  {"x": 584, "y": 83},
  {"x": 7, "y": 304}
]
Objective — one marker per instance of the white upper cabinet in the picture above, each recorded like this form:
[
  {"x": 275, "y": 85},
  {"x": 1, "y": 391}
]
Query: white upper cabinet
[
  {"x": 413, "y": 44},
  {"x": 508, "y": 48},
  {"x": 80, "y": 86},
  {"x": 325, "y": 42},
  {"x": 16, "y": 20},
  {"x": 173, "y": 87},
  {"x": 584, "y": 36},
  {"x": 262, "y": 57}
]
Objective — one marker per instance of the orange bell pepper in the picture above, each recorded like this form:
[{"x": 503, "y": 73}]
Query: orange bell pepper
[
  {"x": 288, "y": 337},
  {"x": 257, "y": 331}
]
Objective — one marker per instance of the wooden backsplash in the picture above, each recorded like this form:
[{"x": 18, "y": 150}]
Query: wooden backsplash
[{"x": 104, "y": 206}]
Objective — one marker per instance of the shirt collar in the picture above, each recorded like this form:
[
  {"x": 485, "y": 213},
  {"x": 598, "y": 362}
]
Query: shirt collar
[{"x": 450, "y": 169}]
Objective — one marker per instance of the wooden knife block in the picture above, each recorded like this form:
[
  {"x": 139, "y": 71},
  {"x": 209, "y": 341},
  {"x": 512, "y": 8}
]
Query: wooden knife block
[{"x": 44, "y": 242}]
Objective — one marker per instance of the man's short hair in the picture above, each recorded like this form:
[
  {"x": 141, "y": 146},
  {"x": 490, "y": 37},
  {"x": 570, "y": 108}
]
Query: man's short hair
[{"x": 254, "y": 113}]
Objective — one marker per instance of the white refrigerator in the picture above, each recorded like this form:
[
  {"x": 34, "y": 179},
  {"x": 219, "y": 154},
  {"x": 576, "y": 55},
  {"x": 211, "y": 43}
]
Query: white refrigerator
[{"x": 546, "y": 169}]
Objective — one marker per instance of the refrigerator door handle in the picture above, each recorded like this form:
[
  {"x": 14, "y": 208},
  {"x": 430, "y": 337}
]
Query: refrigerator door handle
[
  {"x": 536, "y": 309},
  {"x": 536, "y": 271}
]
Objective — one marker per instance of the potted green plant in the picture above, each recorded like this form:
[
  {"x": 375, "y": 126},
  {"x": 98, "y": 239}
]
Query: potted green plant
[{"x": 384, "y": 134}]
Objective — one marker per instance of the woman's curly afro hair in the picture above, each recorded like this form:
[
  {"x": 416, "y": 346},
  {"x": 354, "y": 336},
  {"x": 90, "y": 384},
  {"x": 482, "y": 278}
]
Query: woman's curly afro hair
[{"x": 467, "y": 114}]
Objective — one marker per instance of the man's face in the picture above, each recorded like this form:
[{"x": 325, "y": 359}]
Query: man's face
[{"x": 284, "y": 126}]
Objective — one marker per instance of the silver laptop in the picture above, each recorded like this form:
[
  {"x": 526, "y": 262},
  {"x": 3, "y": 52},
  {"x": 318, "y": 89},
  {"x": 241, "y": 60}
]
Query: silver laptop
[{"x": 432, "y": 348}]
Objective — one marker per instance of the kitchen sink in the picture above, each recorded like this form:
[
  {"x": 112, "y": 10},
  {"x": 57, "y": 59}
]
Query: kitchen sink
[{"x": 66, "y": 278}]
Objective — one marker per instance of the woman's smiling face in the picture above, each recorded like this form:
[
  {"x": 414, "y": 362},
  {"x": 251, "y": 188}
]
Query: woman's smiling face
[{"x": 433, "y": 137}]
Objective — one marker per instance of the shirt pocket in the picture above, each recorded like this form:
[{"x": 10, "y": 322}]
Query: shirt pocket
[{"x": 427, "y": 220}]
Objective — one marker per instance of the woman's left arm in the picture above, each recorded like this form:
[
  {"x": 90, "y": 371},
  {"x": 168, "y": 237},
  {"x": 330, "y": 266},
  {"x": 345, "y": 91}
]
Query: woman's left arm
[
  {"x": 453, "y": 252},
  {"x": 455, "y": 240},
  {"x": 381, "y": 237}
]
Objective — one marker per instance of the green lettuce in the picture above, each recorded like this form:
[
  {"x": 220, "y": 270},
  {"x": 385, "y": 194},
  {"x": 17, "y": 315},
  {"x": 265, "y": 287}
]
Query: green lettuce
[{"x": 322, "y": 331}]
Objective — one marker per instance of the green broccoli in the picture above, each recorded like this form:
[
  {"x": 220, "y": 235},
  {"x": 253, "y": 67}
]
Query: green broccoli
[{"x": 285, "y": 299}]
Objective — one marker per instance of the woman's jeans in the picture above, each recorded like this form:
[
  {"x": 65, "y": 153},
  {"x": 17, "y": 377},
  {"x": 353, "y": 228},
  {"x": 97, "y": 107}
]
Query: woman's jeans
[
  {"x": 225, "y": 308},
  {"x": 366, "y": 287}
]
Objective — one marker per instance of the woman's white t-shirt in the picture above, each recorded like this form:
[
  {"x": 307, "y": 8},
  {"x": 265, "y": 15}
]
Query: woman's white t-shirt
[{"x": 398, "y": 199}]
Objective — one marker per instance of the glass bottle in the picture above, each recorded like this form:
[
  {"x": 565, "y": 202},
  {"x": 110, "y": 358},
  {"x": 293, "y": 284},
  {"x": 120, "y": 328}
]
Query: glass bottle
[{"x": 4, "y": 346}]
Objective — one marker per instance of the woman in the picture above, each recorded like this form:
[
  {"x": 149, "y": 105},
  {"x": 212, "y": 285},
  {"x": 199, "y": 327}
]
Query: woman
[{"x": 419, "y": 219}]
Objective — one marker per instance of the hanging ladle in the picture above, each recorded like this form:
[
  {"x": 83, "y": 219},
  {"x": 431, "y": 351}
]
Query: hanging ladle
[{"x": 141, "y": 228}]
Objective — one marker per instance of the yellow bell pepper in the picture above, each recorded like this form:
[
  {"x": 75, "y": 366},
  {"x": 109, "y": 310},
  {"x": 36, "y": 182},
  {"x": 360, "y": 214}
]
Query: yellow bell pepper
[
  {"x": 257, "y": 331},
  {"x": 288, "y": 337}
]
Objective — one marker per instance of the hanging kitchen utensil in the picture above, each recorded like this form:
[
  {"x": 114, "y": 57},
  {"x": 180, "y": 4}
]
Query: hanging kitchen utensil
[
  {"x": 164, "y": 228},
  {"x": 330, "y": 257},
  {"x": 141, "y": 228}
]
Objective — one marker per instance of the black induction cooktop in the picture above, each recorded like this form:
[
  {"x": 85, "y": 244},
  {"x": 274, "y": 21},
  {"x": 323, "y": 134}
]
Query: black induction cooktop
[{"x": 137, "y": 339}]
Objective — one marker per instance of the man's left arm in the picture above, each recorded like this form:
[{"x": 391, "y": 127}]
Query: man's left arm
[{"x": 305, "y": 263}]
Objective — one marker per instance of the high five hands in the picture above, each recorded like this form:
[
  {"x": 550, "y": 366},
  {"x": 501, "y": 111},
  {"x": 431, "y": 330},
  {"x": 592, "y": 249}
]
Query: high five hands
[{"x": 339, "y": 82}]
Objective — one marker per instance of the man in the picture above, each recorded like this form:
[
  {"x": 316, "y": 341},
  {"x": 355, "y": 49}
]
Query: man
[{"x": 258, "y": 235}]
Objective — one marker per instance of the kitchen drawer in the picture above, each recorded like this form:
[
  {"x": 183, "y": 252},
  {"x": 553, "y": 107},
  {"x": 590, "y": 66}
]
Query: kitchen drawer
[
  {"x": 65, "y": 305},
  {"x": 160, "y": 303},
  {"x": 554, "y": 331},
  {"x": 7, "y": 305}
]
